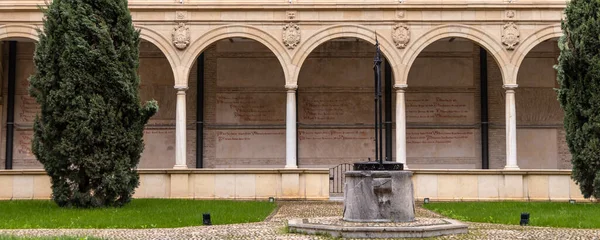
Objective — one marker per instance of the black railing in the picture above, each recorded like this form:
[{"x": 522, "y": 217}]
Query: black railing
[{"x": 337, "y": 177}]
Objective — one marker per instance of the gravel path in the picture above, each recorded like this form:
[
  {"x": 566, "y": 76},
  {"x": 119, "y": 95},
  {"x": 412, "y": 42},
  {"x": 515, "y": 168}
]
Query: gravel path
[{"x": 274, "y": 228}]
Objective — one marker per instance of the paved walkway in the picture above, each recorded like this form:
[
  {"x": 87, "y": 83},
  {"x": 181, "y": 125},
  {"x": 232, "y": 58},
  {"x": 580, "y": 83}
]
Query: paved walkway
[{"x": 274, "y": 228}]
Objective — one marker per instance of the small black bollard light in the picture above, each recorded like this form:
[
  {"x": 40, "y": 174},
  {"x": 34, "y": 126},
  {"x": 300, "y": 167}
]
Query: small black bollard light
[
  {"x": 524, "y": 219},
  {"x": 206, "y": 219},
  {"x": 425, "y": 200},
  {"x": 271, "y": 199},
  {"x": 572, "y": 201}
]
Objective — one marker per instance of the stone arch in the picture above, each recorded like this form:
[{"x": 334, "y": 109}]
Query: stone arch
[
  {"x": 228, "y": 31},
  {"x": 474, "y": 34},
  {"x": 161, "y": 43},
  {"x": 339, "y": 31},
  {"x": 19, "y": 31},
  {"x": 543, "y": 34}
]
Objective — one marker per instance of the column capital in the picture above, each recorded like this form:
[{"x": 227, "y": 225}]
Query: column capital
[
  {"x": 510, "y": 86},
  {"x": 181, "y": 88},
  {"x": 291, "y": 87},
  {"x": 400, "y": 86}
]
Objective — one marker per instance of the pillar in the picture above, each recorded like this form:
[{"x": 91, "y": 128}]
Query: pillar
[
  {"x": 511, "y": 128},
  {"x": 290, "y": 127},
  {"x": 400, "y": 124},
  {"x": 180, "y": 130}
]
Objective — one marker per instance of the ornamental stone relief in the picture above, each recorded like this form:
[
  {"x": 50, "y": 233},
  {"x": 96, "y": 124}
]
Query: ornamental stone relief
[
  {"x": 401, "y": 35},
  {"x": 291, "y": 35},
  {"x": 510, "y": 35},
  {"x": 181, "y": 36}
]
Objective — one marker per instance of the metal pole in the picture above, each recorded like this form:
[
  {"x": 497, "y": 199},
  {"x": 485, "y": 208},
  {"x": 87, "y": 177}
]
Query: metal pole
[
  {"x": 388, "y": 110},
  {"x": 10, "y": 118},
  {"x": 200, "y": 113},
  {"x": 378, "y": 105},
  {"x": 485, "y": 160},
  {"x": 375, "y": 100}
]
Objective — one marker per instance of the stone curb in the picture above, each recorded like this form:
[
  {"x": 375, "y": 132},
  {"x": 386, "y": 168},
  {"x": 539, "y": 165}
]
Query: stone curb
[{"x": 452, "y": 227}]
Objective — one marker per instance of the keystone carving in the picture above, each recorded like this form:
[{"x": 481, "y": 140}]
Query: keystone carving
[
  {"x": 401, "y": 35},
  {"x": 510, "y": 35},
  {"x": 291, "y": 35},
  {"x": 181, "y": 36}
]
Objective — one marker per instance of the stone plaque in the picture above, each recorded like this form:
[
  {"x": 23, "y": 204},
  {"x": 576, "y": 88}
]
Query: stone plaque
[
  {"x": 250, "y": 144},
  {"x": 250, "y": 108},
  {"x": 353, "y": 144},
  {"x": 159, "y": 149},
  {"x": 22, "y": 145},
  {"x": 26, "y": 108},
  {"x": 537, "y": 148},
  {"x": 537, "y": 72},
  {"x": 538, "y": 106},
  {"x": 440, "y": 143},
  {"x": 440, "y": 107},
  {"x": 250, "y": 72},
  {"x": 348, "y": 108},
  {"x": 441, "y": 72},
  {"x": 337, "y": 72}
]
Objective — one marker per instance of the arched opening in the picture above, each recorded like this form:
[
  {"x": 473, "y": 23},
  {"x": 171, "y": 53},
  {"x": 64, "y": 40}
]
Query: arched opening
[
  {"x": 237, "y": 101},
  {"x": 540, "y": 134},
  {"x": 16, "y": 65},
  {"x": 335, "y": 104},
  {"x": 156, "y": 82},
  {"x": 454, "y": 108}
]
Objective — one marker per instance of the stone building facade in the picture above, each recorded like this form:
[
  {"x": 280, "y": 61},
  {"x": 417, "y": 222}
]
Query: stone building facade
[{"x": 288, "y": 84}]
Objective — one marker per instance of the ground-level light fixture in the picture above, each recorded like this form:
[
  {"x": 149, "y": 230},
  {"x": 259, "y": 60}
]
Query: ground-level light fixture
[
  {"x": 206, "y": 219},
  {"x": 524, "y": 219},
  {"x": 572, "y": 201},
  {"x": 271, "y": 199},
  {"x": 425, "y": 200}
]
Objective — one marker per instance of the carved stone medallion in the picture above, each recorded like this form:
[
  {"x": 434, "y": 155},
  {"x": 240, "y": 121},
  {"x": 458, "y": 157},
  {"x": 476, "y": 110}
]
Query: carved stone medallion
[
  {"x": 181, "y": 36},
  {"x": 291, "y": 35},
  {"x": 510, "y": 35},
  {"x": 401, "y": 35}
]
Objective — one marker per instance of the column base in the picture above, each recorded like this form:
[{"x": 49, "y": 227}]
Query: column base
[
  {"x": 511, "y": 167},
  {"x": 291, "y": 166},
  {"x": 180, "y": 167}
]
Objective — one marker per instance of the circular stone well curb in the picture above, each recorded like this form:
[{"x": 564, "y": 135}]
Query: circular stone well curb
[{"x": 449, "y": 227}]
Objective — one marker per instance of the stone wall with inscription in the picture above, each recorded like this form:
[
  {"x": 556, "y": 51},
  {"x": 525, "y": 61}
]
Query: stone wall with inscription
[
  {"x": 335, "y": 105},
  {"x": 156, "y": 83},
  {"x": 25, "y": 109},
  {"x": 540, "y": 135},
  {"x": 443, "y": 107},
  {"x": 244, "y": 110}
]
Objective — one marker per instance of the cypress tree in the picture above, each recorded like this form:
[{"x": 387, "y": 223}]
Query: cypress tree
[
  {"x": 89, "y": 133},
  {"x": 579, "y": 93}
]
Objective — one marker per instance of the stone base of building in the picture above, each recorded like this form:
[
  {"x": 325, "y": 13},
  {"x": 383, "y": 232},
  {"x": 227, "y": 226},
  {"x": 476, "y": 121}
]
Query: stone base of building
[{"x": 314, "y": 184}]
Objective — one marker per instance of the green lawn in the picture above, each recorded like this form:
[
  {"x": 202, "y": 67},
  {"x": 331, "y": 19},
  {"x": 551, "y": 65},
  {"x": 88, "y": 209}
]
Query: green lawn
[
  {"x": 140, "y": 213},
  {"x": 548, "y": 214}
]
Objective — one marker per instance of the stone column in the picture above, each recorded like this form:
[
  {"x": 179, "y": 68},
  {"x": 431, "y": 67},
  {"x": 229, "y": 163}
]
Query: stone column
[
  {"x": 400, "y": 124},
  {"x": 511, "y": 128},
  {"x": 180, "y": 130},
  {"x": 290, "y": 127}
]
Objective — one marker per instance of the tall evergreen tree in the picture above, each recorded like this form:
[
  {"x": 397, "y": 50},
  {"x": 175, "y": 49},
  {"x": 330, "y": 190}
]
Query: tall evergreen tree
[
  {"x": 579, "y": 94},
  {"x": 89, "y": 133}
]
